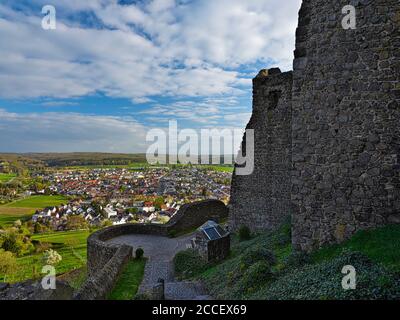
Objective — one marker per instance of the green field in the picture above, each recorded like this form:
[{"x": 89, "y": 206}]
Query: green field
[
  {"x": 6, "y": 177},
  {"x": 9, "y": 215},
  {"x": 25, "y": 208},
  {"x": 70, "y": 245},
  {"x": 219, "y": 168},
  {"x": 144, "y": 165},
  {"x": 37, "y": 202}
]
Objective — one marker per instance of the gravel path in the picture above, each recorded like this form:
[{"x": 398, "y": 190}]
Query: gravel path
[{"x": 160, "y": 251}]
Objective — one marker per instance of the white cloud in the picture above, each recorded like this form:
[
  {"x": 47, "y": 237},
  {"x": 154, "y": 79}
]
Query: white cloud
[
  {"x": 156, "y": 48},
  {"x": 59, "y": 103},
  {"x": 69, "y": 132}
]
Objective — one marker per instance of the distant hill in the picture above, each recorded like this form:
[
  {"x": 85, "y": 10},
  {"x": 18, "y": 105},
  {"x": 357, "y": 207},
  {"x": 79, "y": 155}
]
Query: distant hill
[
  {"x": 40, "y": 160},
  {"x": 19, "y": 163},
  {"x": 74, "y": 159}
]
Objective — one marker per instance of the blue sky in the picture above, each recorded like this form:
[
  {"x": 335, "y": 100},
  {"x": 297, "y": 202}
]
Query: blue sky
[{"x": 112, "y": 70}]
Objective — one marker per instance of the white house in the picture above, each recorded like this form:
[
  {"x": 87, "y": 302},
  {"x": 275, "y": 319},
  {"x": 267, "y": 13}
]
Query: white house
[{"x": 110, "y": 212}]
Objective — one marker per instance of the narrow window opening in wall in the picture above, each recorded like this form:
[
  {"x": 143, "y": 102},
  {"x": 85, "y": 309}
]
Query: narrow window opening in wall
[{"x": 273, "y": 98}]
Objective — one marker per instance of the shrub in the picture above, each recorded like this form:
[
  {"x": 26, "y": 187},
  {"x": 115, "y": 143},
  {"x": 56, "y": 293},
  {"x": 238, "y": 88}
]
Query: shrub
[
  {"x": 41, "y": 247},
  {"x": 189, "y": 263},
  {"x": 256, "y": 254},
  {"x": 296, "y": 259},
  {"x": 11, "y": 242},
  {"x": 244, "y": 233},
  {"x": 51, "y": 257},
  {"x": 256, "y": 276},
  {"x": 106, "y": 223},
  {"x": 17, "y": 224},
  {"x": 172, "y": 233},
  {"x": 324, "y": 281},
  {"x": 139, "y": 253}
]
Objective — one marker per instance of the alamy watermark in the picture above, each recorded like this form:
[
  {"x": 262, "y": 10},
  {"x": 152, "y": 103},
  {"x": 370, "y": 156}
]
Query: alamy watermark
[
  {"x": 49, "y": 21},
  {"x": 188, "y": 146},
  {"x": 349, "y": 20},
  {"x": 349, "y": 280},
  {"x": 49, "y": 280}
]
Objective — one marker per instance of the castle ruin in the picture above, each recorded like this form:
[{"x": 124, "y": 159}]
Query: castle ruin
[{"x": 327, "y": 135}]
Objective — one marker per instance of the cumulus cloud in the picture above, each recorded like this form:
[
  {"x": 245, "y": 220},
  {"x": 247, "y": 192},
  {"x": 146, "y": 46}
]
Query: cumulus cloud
[
  {"x": 143, "y": 49},
  {"x": 199, "y": 54},
  {"x": 204, "y": 113}
]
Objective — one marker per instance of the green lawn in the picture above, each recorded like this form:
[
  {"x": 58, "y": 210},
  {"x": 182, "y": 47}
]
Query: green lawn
[
  {"x": 5, "y": 177},
  {"x": 71, "y": 245},
  {"x": 129, "y": 282},
  {"x": 38, "y": 202}
]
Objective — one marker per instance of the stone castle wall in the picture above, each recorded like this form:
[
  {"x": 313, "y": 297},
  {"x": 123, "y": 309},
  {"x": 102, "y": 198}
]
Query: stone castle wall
[
  {"x": 189, "y": 216},
  {"x": 345, "y": 121},
  {"x": 100, "y": 284},
  {"x": 343, "y": 116},
  {"x": 261, "y": 200}
]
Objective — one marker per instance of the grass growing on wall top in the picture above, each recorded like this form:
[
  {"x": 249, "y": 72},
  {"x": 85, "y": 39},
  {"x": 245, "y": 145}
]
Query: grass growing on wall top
[{"x": 129, "y": 281}]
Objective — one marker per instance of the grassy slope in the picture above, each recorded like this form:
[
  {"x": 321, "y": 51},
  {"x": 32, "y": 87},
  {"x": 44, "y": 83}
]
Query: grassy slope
[
  {"x": 128, "y": 283},
  {"x": 319, "y": 278},
  {"x": 381, "y": 245},
  {"x": 70, "y": 245}
]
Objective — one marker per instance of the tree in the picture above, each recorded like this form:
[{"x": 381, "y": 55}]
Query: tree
[
  {"x": 106, "y": 223},
  {"x": 76, "y": 222},
  {"x": 17, "y": 224},
  {"x": 51, "y": 257},
  {"x": 10, "y": 242},
  {"x": 132, "y": 211},
  {"x": 158, "y": 202},
  {"x": 8, "y": 263}
]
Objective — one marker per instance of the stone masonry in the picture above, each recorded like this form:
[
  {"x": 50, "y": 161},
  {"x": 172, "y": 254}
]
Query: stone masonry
[
  {"x": 345, "y": 129},
  {"x": 262, "y": 200},
  {"x": 345, "y": 121}
]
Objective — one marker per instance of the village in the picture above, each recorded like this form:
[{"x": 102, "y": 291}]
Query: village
[{"x": 103, "y": 197}]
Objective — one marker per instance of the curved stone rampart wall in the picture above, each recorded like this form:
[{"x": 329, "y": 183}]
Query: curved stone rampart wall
[
  {"x": 101, "y": 284},
  {"x": 190, "y": 216}
]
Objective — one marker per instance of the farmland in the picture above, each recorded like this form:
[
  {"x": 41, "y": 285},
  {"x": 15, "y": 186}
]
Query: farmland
[
  {"x": 23, "y": 209},
  {"x": 6, "y": 177},
  {"x": 8, "y": 215},
  {"x": 37, "y": 202},
  {"x": 70, "y": 245}
]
